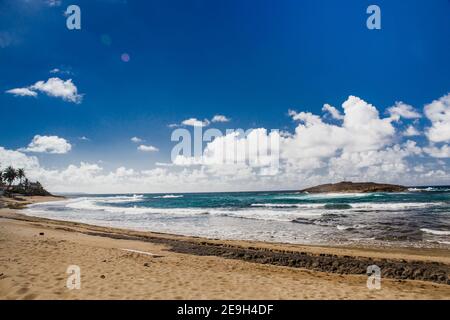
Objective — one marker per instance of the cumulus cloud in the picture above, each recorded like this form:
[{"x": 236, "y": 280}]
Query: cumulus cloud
[
  {"x": 17, "y": 159},
  {"x": 48, "y": 144},
  {"x": 53, "y": 87},
  {"x": 22, "y": 92},
  {"x": 193, "y": 122},
  {"x": 411, "y": 131},
  {"x": 332, "y": 111},
  {"x": 362, "y": 129},
  {"x": 220, "y": 118},
  {"x": 403, "y": 110},
  {"x": 255, "y": 148},
  {"x": 136, "y": 139},
  {"x": 56, "y": 87},
  {"x": 438, "y": 152},
  {"x": 438, "y": 112},
  {"x": 145, "y": 148},
  {"x": 363, "y": 145}
]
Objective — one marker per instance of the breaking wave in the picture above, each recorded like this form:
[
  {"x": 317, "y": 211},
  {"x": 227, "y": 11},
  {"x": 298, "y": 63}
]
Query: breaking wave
[
  {"x": 168, "y": 196},
  {"x": 355, "y": 206},
  {"x": 436, "y": 232},
  {"x": 429, "y": 189},
  {"x": 281, "y": 217}
]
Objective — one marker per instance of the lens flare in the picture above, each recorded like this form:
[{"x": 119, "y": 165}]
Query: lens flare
[{"x": 125, "y": 57}]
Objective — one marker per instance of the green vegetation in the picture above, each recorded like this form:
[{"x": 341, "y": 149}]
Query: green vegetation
[{"x": 14, "y": 181}]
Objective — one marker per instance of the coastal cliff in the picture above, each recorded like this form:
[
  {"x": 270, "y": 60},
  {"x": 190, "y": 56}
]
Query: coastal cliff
[{"x": 355, "y": 187}]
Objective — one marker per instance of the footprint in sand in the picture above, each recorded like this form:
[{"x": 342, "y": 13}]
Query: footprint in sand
[
  {"x": 30, "y": 296},
  {"x": 22, "y": 291}
]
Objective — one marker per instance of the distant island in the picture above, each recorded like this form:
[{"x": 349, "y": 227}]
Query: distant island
[{"x": 355, "y": 187}]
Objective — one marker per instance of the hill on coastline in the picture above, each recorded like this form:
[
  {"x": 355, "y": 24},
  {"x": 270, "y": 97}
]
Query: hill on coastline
[{"x": 355, "y": 187}]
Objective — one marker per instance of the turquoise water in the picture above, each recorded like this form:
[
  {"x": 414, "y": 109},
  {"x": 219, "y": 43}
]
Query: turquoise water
[{"x": 420, "y": 217}]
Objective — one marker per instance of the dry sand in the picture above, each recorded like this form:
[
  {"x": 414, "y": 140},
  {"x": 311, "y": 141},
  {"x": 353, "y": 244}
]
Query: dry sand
[{"x": 33, "y": 266}]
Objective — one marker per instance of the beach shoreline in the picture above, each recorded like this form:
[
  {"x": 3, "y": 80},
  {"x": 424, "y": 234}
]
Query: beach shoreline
[{"x": 176, "y": 263}]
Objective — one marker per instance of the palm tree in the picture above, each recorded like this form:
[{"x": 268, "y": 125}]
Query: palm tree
[
  {"x": 9, "y": 175},
  {"x": 20, "y": 175},
  {"x": 1, "y": 177}
]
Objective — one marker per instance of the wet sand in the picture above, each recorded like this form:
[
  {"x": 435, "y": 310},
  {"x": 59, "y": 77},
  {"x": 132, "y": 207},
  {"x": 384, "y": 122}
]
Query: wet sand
[{"x": 122, "y": 264}]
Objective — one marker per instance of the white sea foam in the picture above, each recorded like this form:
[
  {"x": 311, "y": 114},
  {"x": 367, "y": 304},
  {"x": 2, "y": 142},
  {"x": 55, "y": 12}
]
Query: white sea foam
[
  {"x": 306, "y": 196},
  {"x": 394, "y": 205},
  {"x": 355, "y": 226},
  {"x": 100, "y": 204},
  {"x": 168, "y": 196},
  {"x": 258, "y": 211},
  {"x": 288, "y": 205},
  {"x": 319, "y": 220},
  {"x": 436, "y": 232},
  {"x": 353, "y": 206},
  {"x": 122, "y": 199},
  {"x": 429, "y": 189},
  {"x": 268, "y": 215}
]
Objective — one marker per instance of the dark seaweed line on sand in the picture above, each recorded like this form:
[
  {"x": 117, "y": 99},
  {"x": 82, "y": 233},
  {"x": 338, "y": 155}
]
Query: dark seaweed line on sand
[{"x": 395, "y": 269}]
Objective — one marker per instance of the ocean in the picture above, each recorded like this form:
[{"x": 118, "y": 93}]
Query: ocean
[{"x": 418, "y": 218}]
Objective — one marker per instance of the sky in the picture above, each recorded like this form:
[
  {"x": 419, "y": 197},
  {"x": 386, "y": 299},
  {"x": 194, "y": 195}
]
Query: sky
[{"x": 94, "y": 109}]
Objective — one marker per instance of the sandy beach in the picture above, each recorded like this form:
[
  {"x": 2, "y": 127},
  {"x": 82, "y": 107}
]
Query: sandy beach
[{"x": 121, "y": 264}]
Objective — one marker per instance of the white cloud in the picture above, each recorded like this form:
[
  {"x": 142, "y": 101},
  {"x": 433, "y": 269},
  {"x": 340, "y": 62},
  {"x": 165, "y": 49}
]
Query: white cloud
[
  {"x": 362, "y": 129},
  {"x": 403, "y": 110},
  {"x": 363, "y": 146},
  {"x": 136, "y": 139},
  {"x": 333, "y": 111},
  {"x": 53, "y": 87},
  {"x": 56, "y": 87},
  {"x": 53, "y": 3},
  {"x": 84, "y": 138},
  {"x": 220, "y": 118},
  {"x": 63, "y": 71},
  {"x": 48, "y": 144},
  {"x": 164, "y": 164},
  {"x": 145, "y": 148},
  {"x": 411, "y": 131},
  {"x": 193, "y": 122},
  {"x": 306, "y": 117},
  {"x": 17, "y": 159},
  {"x": 366, "y": 165},
  {"x": 438, "y": 112},
  {"x": 22, "y": 92},
  {"x": 438, "y": 152},
  {"x": 255, "y": 148}
]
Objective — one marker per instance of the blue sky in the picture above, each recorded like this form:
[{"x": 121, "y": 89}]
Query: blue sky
[{"x": 249, "y": 60}]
